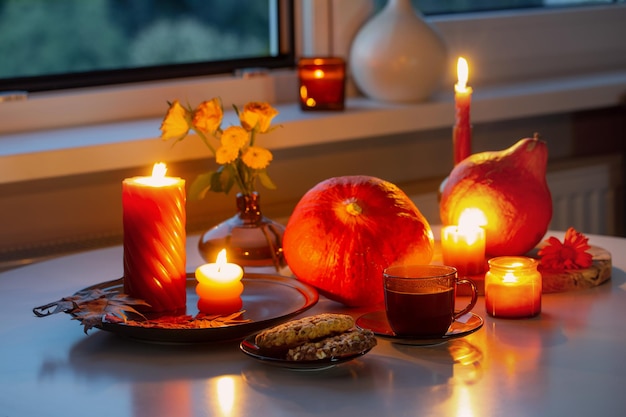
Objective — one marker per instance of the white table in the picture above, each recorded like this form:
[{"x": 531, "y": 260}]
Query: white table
[{"x": 570, "y": 361}]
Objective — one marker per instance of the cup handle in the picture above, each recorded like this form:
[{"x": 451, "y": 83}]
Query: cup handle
[{"x": 472, "y": 302}]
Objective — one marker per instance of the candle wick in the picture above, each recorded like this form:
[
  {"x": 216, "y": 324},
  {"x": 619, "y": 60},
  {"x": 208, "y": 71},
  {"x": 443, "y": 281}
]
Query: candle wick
[{"x": 219, "y": 268}]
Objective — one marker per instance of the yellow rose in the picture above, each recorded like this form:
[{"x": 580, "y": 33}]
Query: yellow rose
[
  {"x": 174, "y": 125},
  {"x": 235, "y": 137},
  {"x": 208, "y": 115},
  {"x": 257, "y": 115},
  {"x": 257, "y": 158},
  {"x": 226, "y": 154}
]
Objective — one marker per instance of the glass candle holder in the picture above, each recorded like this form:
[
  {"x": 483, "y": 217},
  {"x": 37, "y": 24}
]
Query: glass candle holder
[
  {"x": 322, "y": 83},
  {"x": 513, "y": 287}
]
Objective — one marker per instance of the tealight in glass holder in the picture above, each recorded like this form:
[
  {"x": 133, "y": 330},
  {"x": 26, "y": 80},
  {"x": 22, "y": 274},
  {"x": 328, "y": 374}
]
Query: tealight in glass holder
[
  {"x": 513, "y": 287},
  {"x": 322, "y": 83}
]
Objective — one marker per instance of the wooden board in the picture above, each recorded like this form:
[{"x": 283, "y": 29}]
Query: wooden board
[
  {"x": 578, "y": 279},
  {"x": 570, "y": 280}
]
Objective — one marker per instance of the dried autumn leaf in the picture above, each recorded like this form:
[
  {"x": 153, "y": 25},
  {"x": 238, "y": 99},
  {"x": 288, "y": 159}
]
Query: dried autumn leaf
[
  {"x": 93, "y": 312},
  {"x": 91, "y": 307},
  {"x": 190, "y": 322}
]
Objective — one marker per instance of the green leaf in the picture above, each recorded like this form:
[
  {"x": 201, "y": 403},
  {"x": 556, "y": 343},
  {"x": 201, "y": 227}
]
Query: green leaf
[
  {"x": 200, "y": 186},
  {"x": 266, "y": 180},
  {"x": 217, "y": 181},
  {"x": 228, "y": 180}
]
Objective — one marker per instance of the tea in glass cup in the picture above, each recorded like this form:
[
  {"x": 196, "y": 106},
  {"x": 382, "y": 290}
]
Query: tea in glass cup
[{"x": 420, "y": 299}]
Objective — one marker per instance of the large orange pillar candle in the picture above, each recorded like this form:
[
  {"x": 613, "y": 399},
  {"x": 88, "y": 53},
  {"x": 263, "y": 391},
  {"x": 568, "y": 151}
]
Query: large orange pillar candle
[
  {"x": 513, "y": 287},
  {"x": 154, "y": 241},
  {"x": 462, "y": 132},
  {"x": 219, "y": 286},
  {"x": 463, "y": 246}
]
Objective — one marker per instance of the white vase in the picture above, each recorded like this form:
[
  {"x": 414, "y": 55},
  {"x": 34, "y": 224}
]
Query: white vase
[{"x": 397, "y": 56}]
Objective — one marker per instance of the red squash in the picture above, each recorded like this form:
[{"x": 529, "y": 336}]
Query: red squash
[
  {"x": 510, "y": 188},
  {"x": 346, "y": 230}
]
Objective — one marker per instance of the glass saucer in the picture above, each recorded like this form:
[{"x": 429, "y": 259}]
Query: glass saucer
[{"x": 376, "y": 321}]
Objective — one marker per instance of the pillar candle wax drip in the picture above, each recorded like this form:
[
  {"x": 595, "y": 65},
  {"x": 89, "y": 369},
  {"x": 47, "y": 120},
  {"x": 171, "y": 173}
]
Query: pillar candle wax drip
[
  {"x": 219, "y": 286},
  {"x": 462, "y": 132},
  {"x": 154, "y": 241},
  {"x": 513, "y": 287}
]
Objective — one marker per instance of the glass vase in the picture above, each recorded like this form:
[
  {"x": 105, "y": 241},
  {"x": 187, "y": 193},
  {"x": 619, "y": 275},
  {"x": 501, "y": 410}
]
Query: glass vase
[{"x": 251, "y": 240}]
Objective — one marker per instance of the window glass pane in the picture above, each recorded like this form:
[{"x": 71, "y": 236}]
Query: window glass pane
[{"x": 60, "y": 37}]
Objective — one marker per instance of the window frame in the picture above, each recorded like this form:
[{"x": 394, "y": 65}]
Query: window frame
[{"x": 326, "y": 27}]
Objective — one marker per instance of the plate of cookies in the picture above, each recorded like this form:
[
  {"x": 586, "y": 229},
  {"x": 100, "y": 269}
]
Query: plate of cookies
[{"x": 310, "y": 343}]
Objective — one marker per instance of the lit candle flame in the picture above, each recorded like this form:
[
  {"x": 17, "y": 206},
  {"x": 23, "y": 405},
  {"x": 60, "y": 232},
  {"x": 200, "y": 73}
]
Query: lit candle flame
[
  {"x": 470, "y": 220},
  {"x": 472, "y": 217},
  {"x": 158, "y": 178},
  {"x": 221, "y": 259},
  {"x": 318, "y": 73},
  {"x": 509, "y": 277},
  {"x": 159, "y": 170},
  {"x": 462, "y": 72}
]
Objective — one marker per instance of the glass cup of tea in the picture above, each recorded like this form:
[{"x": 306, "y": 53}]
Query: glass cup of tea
[{"x": 420, "y": 299}]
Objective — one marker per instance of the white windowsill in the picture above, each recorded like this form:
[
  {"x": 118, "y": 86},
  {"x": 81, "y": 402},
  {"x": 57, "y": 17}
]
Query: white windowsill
[{"x": 80, "y": 150}]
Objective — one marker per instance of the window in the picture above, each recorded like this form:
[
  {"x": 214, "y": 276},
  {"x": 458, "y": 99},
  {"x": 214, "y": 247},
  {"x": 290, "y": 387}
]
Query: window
[
  {"x": 563, "y": 41},
  {"x": 76, "y": 43}
]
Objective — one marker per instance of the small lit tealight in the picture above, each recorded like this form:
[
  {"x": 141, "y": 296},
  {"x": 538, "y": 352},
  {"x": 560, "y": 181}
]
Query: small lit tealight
[
  {"x": 219, "y": 286},
  {"x": 463, "y": 246}
]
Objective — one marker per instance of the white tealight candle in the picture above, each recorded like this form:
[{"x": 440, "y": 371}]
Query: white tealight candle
[{"x": 219, "y": 286}]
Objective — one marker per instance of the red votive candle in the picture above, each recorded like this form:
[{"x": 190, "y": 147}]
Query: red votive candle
[
  {"x": 154, "y": 241},
  {"x": 462, "y": 132},
  {"x": 322, "y": 83},
  {"x": 513, "y": 287}
]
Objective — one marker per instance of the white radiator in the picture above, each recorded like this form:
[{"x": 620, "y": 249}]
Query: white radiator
[{"x": 582, "y": 197}]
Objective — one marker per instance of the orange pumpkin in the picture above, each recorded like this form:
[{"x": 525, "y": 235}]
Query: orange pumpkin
[
  {"x": 510, "y": 188},
  {"x": 346, "y": 230}
]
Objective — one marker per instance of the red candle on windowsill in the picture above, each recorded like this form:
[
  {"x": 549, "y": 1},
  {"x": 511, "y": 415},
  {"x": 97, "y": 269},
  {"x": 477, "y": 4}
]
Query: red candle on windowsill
[
  {"x": 154, "y": 241},
  {"x": 322, "y": 83},
  {"x": 462, "y": 132}
]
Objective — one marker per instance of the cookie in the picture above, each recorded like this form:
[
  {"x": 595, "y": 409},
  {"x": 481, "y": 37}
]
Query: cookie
[
  {"x": 347, "y": 343},
  {"x": 307, "y": 329}
]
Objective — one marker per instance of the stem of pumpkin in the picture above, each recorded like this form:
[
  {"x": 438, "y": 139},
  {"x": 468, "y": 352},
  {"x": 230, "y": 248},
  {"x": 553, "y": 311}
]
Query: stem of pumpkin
[{"x": 353, "y": 208}]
